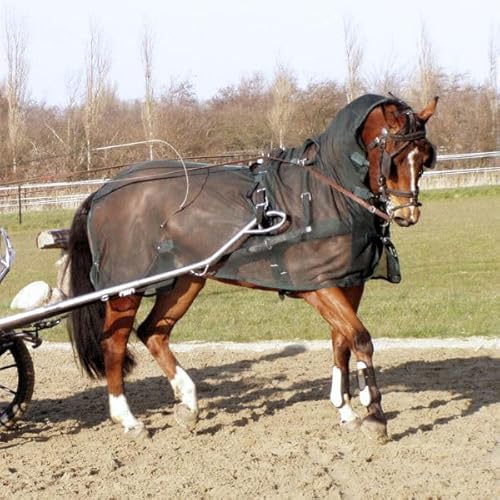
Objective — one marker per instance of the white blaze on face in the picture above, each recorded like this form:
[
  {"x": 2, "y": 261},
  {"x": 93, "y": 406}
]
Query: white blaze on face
[
  {"x": 414, "y": 178},
  {"x": 407, "y": 212},
  {"x": 120, "y": 412},
  {"x": 184, "y": 389},
  {"x": 413, "y": 170}
]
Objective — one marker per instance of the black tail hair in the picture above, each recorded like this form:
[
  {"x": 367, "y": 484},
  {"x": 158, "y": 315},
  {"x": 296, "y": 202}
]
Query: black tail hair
[{"x": 86, "y": 323}]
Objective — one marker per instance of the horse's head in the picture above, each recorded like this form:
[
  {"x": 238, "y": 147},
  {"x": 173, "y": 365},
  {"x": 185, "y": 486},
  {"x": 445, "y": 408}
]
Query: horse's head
[{"x": 398, "y": 152}]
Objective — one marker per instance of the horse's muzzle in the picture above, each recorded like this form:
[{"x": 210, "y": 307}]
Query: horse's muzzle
[{"x": 407, "y": 216}]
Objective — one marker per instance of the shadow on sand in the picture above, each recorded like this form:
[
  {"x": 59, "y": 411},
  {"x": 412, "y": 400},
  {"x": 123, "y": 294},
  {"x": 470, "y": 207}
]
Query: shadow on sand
[{"x": 231, "y": 387}]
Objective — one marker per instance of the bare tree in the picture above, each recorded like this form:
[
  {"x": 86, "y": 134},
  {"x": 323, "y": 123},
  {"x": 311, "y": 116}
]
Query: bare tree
[
  {"x": 16, "y": 85},
  {"x": 316, "y": 105},
  {"x": 73, "y": 84},
  {"x": 233, "y": 117},
  {"x": 148, "y": 108},
  {"x": 388, "y": 77},
  {"x": 354, "y": 60},
  {"x": 96, "y": 75},
  {"x": 493, "y": 56},
  {"x": 428, "y": 73},
  {"x": 282, "y": 106}
]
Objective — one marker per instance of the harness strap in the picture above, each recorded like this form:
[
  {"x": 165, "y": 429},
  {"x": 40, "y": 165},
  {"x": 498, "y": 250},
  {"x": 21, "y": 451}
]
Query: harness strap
[
  {"x": 261, "y": 204},
  {"x": 306, "y": 198},
  {"x": 371, "y": 208},
  {"x": 408, "y": 137},
  {"x": 330, "y": 182}
]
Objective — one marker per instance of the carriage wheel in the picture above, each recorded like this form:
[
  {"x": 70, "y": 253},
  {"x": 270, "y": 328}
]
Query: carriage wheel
[{"x": 17, "y": 379}]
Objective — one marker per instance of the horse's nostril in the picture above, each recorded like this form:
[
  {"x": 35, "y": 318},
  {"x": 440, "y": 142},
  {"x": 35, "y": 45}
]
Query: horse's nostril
[{"x": 400, "y": 221}]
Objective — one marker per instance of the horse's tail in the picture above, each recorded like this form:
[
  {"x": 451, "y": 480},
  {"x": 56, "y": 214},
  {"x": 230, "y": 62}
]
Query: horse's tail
[{"x": 86, "y": 323}]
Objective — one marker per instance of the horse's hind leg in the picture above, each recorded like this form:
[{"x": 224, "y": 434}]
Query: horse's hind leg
[
  {"x": 118, "y": 323},
  {"x": 155, "y": 333}
]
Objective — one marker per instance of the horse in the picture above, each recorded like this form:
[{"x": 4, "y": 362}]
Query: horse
[{"x": 147, "y": 218}]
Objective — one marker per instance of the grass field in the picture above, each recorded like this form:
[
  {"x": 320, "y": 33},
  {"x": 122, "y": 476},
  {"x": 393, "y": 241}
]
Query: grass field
[{"x": 451, "y": 280}]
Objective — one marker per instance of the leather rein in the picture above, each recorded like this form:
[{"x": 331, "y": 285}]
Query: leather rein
[
  {"x": 384, "y": 167},
  {"x": 335, "y": 185}
]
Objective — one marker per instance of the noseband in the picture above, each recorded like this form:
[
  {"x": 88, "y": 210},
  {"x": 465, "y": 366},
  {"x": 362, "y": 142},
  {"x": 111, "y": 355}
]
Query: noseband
[{"x": 410, "y": 133}]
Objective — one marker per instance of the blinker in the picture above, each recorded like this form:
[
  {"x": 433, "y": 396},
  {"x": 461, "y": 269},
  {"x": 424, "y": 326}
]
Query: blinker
[{"x": 431, "y": 161}]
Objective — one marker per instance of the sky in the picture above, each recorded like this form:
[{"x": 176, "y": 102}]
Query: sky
[{"x": 214, "y": 43}]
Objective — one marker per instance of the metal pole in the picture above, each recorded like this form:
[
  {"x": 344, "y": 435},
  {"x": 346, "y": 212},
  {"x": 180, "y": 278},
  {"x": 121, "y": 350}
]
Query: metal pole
[{"x": 125, "y": 289}]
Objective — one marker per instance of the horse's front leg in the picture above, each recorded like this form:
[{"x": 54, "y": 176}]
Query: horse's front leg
[
  {"x": 340, "y": 394},
  {"x": 118, "y": 323},
  {"x": 339, "y": 308},
  {"x": 375, "y": 422}
]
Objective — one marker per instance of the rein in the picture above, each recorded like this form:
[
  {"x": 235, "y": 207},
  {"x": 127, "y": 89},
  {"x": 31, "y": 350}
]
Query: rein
[
  {"x": 335, "y": 185},
  {"x": 384, "y": 167},
  {"x": 302, "y": 164}
]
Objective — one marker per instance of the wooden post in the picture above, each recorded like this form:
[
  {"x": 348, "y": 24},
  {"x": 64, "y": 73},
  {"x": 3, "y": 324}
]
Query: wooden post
[{"x": 20, "y": 210}]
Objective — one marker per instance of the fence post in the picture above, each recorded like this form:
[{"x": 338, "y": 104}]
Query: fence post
[{"x": 20, "y": 210}]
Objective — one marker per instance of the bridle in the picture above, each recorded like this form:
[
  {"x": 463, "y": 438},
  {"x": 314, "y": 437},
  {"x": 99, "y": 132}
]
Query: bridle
[{"x": 413, "y": 131}]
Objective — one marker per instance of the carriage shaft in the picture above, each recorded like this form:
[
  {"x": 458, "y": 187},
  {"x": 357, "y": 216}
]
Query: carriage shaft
[{"x": 131, "y": 287}]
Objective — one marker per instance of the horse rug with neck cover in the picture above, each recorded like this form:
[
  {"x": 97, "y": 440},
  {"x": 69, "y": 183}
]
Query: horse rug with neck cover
[{"x": 162, "y": 215}]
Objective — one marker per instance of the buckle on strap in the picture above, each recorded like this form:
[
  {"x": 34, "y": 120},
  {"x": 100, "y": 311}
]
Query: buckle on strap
[
  {"x": 261, "y": 203},
  {"x": 366, "y": 377},
  {"x": 306, "y": 207}
]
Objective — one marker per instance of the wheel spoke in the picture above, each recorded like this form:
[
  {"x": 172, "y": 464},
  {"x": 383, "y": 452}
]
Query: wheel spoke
[
  {"x": 7, "y": 389},
  {"x": 3, "y": 388},
  {"x": 16, "y": 385},
  {"x": 6, "y": 367}
]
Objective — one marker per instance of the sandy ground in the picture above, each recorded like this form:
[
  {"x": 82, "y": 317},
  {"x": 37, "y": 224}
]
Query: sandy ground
[{"x": 267, "y": 429}]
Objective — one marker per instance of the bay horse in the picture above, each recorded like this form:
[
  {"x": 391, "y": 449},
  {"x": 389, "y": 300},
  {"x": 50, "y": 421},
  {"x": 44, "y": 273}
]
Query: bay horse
[{"x": 115, "y": 234}]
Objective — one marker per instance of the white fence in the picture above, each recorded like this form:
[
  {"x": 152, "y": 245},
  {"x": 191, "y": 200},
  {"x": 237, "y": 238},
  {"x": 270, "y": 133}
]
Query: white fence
[
  {"x": 458, "y": 178},
  {"x": 30, "y": 197},
  {"x": 463, "y": 177}
]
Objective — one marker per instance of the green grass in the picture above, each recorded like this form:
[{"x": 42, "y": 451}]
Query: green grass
[
  {"x": 451, "y": 280},
  {"x": 451, "y": 271}
]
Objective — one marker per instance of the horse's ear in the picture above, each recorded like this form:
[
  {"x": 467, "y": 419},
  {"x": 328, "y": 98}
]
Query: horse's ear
[{"x": 429, "y": 110}]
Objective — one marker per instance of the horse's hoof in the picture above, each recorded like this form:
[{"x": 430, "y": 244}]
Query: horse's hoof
[
  {"x": 375, "y": 429},
  {"x": 351, "y": 425},
  {"x": 185, "y": 417},
  {"x": 138, "y": 433}
]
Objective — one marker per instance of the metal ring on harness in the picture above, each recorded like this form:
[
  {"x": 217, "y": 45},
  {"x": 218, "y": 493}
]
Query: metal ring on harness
[{"x": 274, "y": 227}]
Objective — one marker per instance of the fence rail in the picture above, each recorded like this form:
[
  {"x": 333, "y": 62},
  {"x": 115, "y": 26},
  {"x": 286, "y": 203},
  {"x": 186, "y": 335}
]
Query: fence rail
[
  {"x": 39, "y": 196},
  {"x": 468, "y": 156}
]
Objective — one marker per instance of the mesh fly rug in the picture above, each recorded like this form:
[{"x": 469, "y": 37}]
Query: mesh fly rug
[{"x": 158, "y": 216}]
